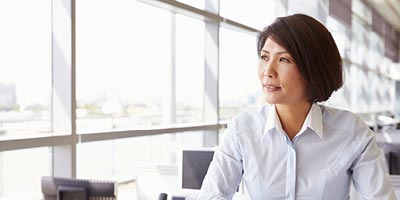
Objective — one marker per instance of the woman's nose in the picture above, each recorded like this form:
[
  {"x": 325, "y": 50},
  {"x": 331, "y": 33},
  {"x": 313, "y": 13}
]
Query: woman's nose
[{"x": 269, "y": 70}]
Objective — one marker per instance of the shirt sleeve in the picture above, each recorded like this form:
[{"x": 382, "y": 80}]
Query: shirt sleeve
[
  {"x": 370, "y": 176},
  {"x": 225, "y": 171}
]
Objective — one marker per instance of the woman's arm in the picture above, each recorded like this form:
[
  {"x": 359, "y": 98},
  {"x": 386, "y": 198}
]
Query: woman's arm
[
  {"x": 225, "y": 171},
  {"x": 370, "y": 177}
]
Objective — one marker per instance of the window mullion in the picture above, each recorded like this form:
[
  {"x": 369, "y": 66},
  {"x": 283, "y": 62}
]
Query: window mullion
[
  {"x": 63, "y": 87},
  {"x": 211, "y": 105}
]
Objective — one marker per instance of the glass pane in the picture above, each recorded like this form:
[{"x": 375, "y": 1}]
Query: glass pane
[
  {"x": 362, "y": 10},
  {"x": 389, "y": 95},
  {"x": 239, "y": 87},
  {"x": 342, "y": 98},
  {"x": 25, "y": 67},
  {"x": 347, "y": 88},
  {"x": 190, "y": 34},
  {"x": 385, "y": 66},
  {"x": 361, "y": 85},
  {"x": 138, "y": 159},
  {"x": 253, "y": 13},
  {"x": 95, "y": 167},
  {"x": 375, "y": 51},
  {"x": 120, "y": 157},
  {"x": 341, "y": 34},
  {"x": 123, "y": 64},
  {"x": 359, "y": 42},
  {"x": 21, "y": 173},
  {"x": 383, "y": 89},
  {"x": 315, "y": 8}
]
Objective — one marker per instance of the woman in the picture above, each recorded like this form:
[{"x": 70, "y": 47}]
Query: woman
[{"x": 296, "y": 148}]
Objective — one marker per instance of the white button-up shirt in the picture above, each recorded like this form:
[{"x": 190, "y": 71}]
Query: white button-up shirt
[{"x": 333, "y": 148}]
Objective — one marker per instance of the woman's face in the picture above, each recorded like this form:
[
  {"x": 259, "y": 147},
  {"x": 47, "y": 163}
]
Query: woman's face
[{"x": 280, "y": 78}]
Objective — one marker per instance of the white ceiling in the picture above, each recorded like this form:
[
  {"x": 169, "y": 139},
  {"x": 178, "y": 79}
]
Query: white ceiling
[{"x": 389, "y": 9}]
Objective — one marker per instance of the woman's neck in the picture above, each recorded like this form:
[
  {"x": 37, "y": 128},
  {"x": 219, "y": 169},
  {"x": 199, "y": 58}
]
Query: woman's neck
[{"x": 292, "y": 117}]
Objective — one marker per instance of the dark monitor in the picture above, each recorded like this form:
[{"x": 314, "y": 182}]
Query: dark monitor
[
  {"x": 194, "y": 167},
  {"x": 54, "y": 188}
]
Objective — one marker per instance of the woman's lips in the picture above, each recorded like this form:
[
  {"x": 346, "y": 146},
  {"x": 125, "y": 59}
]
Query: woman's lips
[{"x": 271, "y": 87}]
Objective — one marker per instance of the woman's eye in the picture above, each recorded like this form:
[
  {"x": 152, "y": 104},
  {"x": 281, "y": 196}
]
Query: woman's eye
[
  {"x": 264, "y": 57},
  {"x": 285, "y": 60}
]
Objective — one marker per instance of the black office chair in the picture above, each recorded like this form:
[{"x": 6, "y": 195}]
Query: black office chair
[
  {"x": 392, "y": 154},
  {"x": 54, "y": 188},
  {"x": 162, "y": 196}
]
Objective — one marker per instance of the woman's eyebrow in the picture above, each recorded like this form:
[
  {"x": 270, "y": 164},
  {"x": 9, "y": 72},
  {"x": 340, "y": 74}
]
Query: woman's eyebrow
[
  {"x": 279, "y": 52},
  {"x": 282, "y": 52}
]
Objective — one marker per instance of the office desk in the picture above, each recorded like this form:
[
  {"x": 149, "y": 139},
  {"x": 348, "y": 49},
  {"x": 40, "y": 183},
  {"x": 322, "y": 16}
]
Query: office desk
[{"x": 148, "y": 187}]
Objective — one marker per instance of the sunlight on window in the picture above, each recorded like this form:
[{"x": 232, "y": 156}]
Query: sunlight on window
[
  {"x": 190, "y": 42},
  {"x": 21, "y": 171},
  {"x": 25, "y": 72},
  {"x": 122, "y": 159},
  {"x": 253, "y": 13},
  {"x": 239, "y": 87},
  {"x": 140, "y": 66},
  {"x": 123, "y": 60}
]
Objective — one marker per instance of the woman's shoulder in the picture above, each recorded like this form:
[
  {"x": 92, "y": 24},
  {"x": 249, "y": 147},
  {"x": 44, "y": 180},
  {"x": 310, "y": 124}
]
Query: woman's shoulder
[
  {"x": 343, "y": 120},
  {"x": 251, "y": 119},
  {"x": 336, "y": 112},
  {"x": 253, "y": 115}
]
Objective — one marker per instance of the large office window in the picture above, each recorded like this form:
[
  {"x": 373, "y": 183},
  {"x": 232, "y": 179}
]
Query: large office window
[
  {"x": 127, "y": 65},
  {"x": 21, "y": 170},
  {"x": 190, "y": 52},
  {"x": 376, "y": 52},
  {"x": 359, "y": 42},
  {"x": 360, "y": 9},
  {"x": 239, "y": 86},
  {"x": 25, "y": 68},
  {"x": 120, "y": 158},
  {"x": 342, "y": 98},
  {"x": 341, "y": 34},
  {"x": 123, "y": 59},
  {"x": 124, "y": 159},
  {"x": 253, "y": 13}
]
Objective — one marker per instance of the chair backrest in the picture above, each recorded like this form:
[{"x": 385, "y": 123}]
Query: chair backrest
[
  {"x": 392, "y": 153},
  {"x": 54, "y": 188}
]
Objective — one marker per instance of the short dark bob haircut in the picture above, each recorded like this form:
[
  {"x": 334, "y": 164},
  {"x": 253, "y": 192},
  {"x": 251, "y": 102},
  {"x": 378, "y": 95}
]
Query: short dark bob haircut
[{"x": 312, "y": 48}]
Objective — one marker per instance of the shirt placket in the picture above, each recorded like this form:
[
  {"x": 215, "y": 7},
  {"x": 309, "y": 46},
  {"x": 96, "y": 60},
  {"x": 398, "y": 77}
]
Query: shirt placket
[{"x": 290, "y": 170}]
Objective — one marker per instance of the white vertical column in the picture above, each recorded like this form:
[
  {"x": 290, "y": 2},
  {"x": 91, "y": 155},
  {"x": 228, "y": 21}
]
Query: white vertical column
[
  {"x": 211, "y": 104},
  {"x": 63, "y": 87},
  {"x": 169, "y": 102}
]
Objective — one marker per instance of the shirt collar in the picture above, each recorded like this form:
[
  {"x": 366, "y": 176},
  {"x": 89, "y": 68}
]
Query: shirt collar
[
  {"x": 312, "y": 121},
  {"x": 272, "y": 119}
]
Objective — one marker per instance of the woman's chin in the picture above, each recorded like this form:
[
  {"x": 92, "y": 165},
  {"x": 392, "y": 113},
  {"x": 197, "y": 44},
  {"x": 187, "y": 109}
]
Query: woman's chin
[{"x": 270, "y": 100}]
